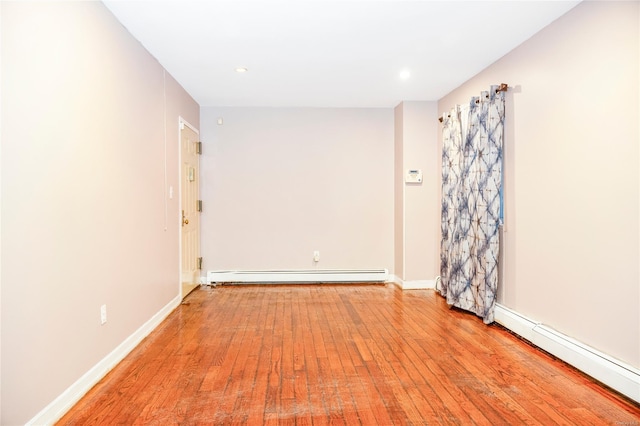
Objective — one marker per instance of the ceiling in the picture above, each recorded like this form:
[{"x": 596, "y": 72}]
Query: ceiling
[{"x": 329, "y": 53}]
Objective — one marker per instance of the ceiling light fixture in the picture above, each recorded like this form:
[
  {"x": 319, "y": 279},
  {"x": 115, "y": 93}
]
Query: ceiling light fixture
[
  {"x": 405, "y": 74},
  {"x": 241, "y": 69}
]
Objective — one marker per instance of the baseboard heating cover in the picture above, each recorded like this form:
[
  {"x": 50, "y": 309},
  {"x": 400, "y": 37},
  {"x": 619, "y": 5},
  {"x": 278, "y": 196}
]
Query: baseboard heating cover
[
  {"x": 614, "y": 373},
  {"x": 299, "y": 276}
]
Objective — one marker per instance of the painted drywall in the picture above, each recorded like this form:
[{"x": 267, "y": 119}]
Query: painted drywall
[
  {"x": 398, "y": 193},
  {"x": 571, "y": 242},
  {"x": 421, "y": 209},
  {"x": 86, "y": 218},
  {"x": 280, "y": 183},
  {"x": 0, "y": 217}
]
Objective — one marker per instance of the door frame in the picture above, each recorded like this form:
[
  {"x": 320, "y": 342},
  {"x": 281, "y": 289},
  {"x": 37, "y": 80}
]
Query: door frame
[{"x": 181, "y": 124}]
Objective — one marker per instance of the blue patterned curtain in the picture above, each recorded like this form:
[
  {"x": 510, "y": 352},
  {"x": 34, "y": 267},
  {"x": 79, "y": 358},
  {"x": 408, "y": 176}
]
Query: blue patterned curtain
[{"x": 471, "y": 203}]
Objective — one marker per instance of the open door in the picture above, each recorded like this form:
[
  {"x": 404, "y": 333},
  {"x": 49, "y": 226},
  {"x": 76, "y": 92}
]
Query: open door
[{"x": 190, "y": 207}]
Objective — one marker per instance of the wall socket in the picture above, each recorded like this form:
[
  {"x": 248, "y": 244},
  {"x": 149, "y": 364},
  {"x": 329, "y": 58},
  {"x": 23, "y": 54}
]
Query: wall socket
[
  {"x": 103, "y": 314},
  {"x": 316, "y": 256}
]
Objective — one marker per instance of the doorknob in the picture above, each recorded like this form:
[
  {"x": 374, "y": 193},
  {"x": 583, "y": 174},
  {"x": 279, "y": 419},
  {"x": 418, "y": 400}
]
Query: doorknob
[{"x": 185, "y": 221}]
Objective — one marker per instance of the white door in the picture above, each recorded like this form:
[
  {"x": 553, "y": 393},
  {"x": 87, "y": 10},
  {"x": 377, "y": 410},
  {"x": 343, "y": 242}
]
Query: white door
[{"x": 189, "y": 190}]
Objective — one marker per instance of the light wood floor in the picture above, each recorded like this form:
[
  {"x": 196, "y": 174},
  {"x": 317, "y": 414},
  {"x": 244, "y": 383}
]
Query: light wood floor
[{"x": 340, "y": 354}]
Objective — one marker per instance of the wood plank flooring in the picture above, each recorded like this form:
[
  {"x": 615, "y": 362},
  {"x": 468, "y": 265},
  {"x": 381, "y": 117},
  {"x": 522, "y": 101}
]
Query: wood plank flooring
[{"x": 340, "y": 355}]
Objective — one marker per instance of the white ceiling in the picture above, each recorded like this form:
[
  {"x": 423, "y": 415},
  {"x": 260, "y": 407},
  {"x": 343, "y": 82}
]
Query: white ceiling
[{"x": 329, "y": 53}]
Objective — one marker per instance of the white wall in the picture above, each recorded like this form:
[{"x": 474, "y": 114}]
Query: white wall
[
  {"x": 571, "y": 247},
  {"x": 86, "y": 219},
  {"x": 279, "y": 183}
]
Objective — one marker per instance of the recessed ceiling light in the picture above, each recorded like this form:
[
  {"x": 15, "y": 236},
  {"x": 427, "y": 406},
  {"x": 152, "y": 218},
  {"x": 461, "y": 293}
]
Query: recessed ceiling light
[
  {"x": 405, "y": 74},
  {"x": 241, "y": 69}
]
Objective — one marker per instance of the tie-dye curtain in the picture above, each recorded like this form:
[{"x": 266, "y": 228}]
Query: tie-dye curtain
[{"x": 471, "y": 202}]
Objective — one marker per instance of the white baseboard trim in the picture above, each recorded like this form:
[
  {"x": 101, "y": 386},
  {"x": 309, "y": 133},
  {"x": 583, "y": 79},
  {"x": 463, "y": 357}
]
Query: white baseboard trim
[
  {"x": 394, "y": 279},
  {"x": 419, "y": 284},
  {"x": 412, "y": 284},
  {"x": 298, "y": 276},
  {"x": 59, "y": 406},
  {"x": 614, "y": 373}
]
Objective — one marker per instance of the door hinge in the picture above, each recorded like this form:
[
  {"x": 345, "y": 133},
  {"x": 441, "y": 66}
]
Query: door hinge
[
  {"x": 199, "y": 263},
  {"x": 199, "y": 206},
  {"x": 198, "y": 148}
]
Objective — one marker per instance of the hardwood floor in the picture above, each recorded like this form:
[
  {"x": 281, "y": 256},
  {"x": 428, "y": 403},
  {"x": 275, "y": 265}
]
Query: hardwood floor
[{"x": 344, "y": 355}]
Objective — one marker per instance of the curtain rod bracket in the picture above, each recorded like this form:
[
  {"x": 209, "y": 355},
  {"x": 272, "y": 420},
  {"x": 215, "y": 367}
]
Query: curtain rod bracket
[{"x": 503, "y": 87}]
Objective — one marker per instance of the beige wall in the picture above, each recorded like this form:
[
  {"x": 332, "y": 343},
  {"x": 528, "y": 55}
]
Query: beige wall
[
  {"x": 398, "y": 192},
  {"x": 279, "y": 183},
  {"x": 421, "y": 206},
  {"x": 0, "y": 215},
  {"x": 571, "y": 247},
  {"x": 86, "y": 219}
]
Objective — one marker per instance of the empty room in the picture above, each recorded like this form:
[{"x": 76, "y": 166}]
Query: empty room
[{"x": 319, "y": 212}]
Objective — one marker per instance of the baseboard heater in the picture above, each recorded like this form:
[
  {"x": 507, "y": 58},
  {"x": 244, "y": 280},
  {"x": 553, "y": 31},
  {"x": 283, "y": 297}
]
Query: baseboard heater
[
  {"x": 614, "y": 373},
  {"x": 298, "y": 276}
]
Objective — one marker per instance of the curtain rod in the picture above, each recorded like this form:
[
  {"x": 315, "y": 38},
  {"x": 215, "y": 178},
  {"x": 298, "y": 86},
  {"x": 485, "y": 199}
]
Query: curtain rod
[{"x": 502, "y": 88}]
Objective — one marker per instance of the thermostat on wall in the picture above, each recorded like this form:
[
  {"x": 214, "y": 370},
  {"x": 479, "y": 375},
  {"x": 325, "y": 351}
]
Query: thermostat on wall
[{"x": 413, "y": 176}]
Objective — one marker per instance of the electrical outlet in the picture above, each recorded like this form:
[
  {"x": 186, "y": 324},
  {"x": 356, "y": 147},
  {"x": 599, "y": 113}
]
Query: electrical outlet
[
  {"x": 103, "y": 314},
  {"x": 316, "y": 256}
]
